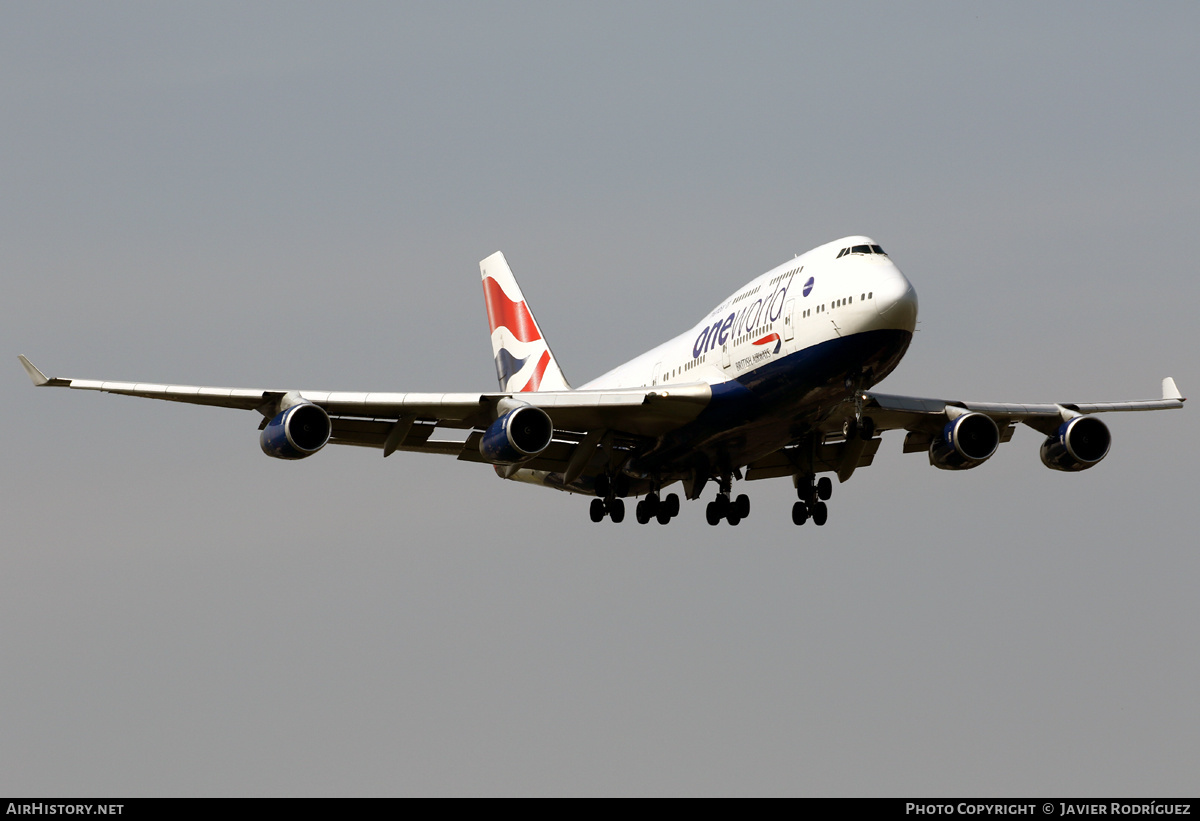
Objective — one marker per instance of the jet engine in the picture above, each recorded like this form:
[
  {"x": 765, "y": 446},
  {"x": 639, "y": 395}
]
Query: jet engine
[
  {"x": 517, "y": 436},
  {"x": 297, "y": 432},
  {"x": 965, "y": 442},
  {"x": 1080, "y": 443}
]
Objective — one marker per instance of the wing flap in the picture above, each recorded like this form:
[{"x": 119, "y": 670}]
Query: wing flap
[
  {"x": 555, "y": 458},
  {"x": 374, "y": 433},
  {"x": 825, "y": 458}
]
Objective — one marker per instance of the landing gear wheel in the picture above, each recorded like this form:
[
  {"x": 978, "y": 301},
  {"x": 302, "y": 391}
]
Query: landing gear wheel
[
  {"x": 663, "y": 515},
  {"x": 742, "y": 506},
  {"x": 616, "y": 510},
  {"x": 824, "y": 488},
  {"x": 820, "y": 514},
  {"x": 713, "y": 514},
  {"x": 799, "y": 513},
  {"x": 671, "y": 504},
  {"x": 642, "y": 512},
  {"x": 596, "y": 511},
  {"x": 733, "y": 518}
]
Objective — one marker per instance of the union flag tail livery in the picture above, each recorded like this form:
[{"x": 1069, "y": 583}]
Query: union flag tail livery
[{"x": 524, "y": 362}]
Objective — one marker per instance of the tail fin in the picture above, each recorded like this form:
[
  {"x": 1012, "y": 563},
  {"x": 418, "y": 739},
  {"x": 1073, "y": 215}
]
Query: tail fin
[{"x": 524, "y": 362}]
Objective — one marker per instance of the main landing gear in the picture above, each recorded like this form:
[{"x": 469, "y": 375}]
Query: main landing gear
[
  {"x": 613, "y": 508},
  {"x": 609, "y": 490},
  {"x": 813, "y": 495},
  {"x": 723, "y": 507},
  {"x": 652, "y": 507},
  {"x": 731, "y": 510}
]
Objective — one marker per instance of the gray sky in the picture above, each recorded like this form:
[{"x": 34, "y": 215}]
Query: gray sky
[{"x": 297, "y": 195}]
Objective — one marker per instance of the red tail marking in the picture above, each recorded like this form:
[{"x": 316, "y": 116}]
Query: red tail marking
[
  {"x": 538, "y": 373},
  {"x": 504, "y": 313}
]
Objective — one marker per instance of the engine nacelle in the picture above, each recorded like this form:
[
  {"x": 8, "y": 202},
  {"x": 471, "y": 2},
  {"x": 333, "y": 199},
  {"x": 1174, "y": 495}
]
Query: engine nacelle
[
  {"x": 1079, "y": 444},
  {"x": 299, "y": 431},
  {"x": 965, "y": 442},
  {"x": 517, "y": 436}
]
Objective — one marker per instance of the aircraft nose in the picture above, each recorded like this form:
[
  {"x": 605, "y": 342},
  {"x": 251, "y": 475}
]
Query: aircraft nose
[{"x": 896, "y": 300}]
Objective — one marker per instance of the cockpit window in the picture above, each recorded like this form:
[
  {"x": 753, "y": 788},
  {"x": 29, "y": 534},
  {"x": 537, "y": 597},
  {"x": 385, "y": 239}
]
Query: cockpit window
[{"x": 861, "y": 249}]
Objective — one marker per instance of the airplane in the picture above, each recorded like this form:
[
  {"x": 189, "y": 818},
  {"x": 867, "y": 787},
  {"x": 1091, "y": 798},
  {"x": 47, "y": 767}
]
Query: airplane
[{"x": 774, "y": 382}]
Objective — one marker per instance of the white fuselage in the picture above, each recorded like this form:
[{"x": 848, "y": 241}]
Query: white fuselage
[{"x": 818, "y": 297}]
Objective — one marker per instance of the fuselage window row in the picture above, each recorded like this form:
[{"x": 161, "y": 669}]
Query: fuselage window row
[{"x": 822, "y": 308}]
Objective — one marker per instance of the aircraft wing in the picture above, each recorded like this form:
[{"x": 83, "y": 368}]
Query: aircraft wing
[
  {"x": 407, "y": 421},
  {"x": 890, "y": 412},
  {"x": 829, "y": 449}
]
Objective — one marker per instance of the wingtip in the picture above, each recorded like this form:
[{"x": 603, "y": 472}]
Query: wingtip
[
  {"x": 37, "y": 377},
  {"x": 1170, "y": 390}
]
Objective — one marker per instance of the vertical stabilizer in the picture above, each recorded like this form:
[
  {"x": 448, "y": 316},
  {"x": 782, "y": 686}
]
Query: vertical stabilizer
[{"x": 524, "y": 362}]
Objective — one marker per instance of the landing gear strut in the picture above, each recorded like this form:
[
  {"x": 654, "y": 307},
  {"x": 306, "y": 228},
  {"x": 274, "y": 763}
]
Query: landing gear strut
[{"x": 813, "y": 494}]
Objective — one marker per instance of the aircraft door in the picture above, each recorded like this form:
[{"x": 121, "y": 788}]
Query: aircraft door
[
  {"x": 658, "y": 372},
  {"x": 789, "y": 321},
  {"x": 725, "y": 361}
]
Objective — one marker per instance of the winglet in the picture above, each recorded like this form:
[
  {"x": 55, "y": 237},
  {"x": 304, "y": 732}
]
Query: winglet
[
  {"x": 1170, "y": 391},
  {"x": 39, "y": 378}
]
